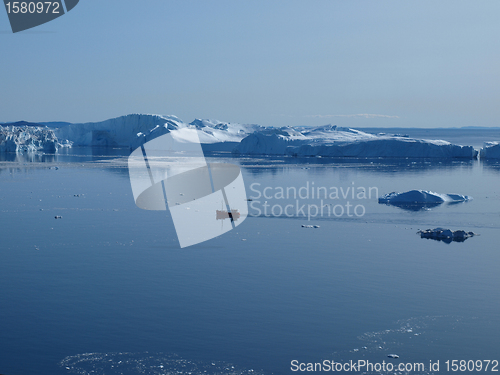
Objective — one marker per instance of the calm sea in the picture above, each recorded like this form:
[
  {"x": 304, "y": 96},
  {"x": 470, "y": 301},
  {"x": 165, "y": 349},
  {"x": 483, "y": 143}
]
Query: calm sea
[{"x": 105, "y": 289}]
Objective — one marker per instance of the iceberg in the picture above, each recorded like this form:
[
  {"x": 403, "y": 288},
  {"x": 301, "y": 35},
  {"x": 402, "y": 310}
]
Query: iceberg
[
  {"x": 490, "y": 150},
  {"x": 136, "y": 129},
  {"x": 416, "y": 200},
  {"x": 333, "y": 141},
  {"x": 125, "y": 131},
  {"x": 446, "y": 235},
  {"x": 24, "y": 137}
]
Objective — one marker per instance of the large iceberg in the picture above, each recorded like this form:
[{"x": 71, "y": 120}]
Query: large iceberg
[
  {"x": 124, "y": 131},
  {"x": 416, "y": 200},
  {"x": 136, "y": 129},
  {"x": 333, "y": 141},
  {"x": 25, "y": 137}
]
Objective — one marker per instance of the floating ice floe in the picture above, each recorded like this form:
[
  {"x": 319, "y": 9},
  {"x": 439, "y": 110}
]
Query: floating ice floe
[
  {"x": 446, "y": 235},
  {"x": 416, "y": 200},
  {"x": 310, "y": 226},
  {"x": 393, "y": 356}
]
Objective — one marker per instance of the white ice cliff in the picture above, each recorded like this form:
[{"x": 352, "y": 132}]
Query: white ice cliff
[
  {"x": 27, "y": 138},
  {"x": 490, "y": 150}
]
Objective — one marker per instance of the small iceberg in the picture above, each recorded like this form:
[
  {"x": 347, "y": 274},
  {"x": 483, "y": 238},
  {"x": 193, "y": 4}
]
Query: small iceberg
[
  {"x": 417, "y": 200},
  {"x": 393, "y": 356},
  {"x": 446, "y": 235}
]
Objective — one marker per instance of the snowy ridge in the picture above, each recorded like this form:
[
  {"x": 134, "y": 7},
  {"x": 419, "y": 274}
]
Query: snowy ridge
[
  {"x": 343, "y": 142},
  {"x": 224, "y": 131}
]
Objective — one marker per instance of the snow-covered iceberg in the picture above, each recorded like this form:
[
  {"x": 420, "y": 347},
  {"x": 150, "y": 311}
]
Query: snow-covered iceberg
[
  {"x": 416, "y": 200},
  {"x": 22, "y": 138},
  {"x": 136, "y": 129},
  {"x": 490, "y": 150},
  {"x": 124, "y": 131},
  {"x": 332, "y": 141}
]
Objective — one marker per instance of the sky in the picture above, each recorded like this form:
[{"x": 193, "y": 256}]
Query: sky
[{"x": 355, "y": 63}]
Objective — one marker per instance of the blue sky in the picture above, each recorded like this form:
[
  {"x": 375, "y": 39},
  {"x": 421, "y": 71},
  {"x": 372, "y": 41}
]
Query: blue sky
[{"x": 351, "y": 63}]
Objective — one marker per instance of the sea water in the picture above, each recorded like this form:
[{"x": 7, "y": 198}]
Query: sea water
[{"x": 104, "y": 288}]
